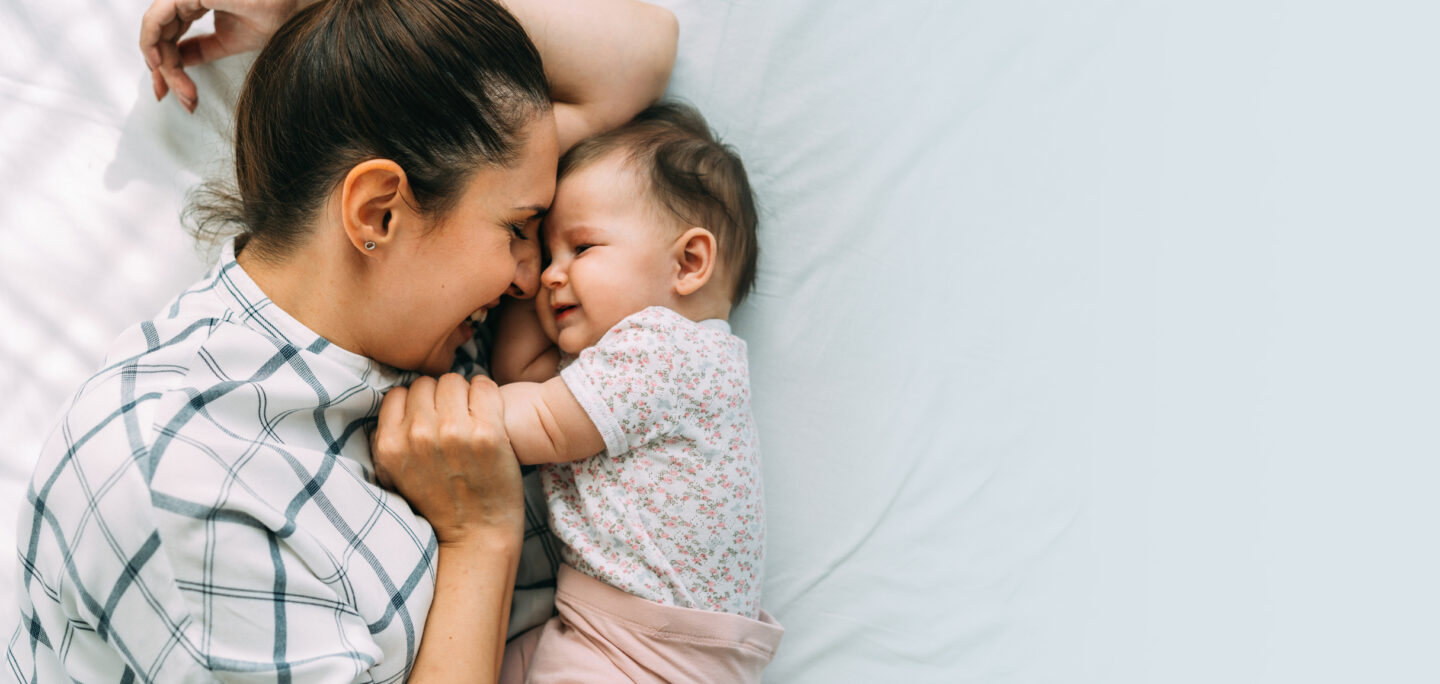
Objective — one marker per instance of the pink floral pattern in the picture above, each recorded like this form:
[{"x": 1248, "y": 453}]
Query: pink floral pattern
[{"x": 672, "y": 511}]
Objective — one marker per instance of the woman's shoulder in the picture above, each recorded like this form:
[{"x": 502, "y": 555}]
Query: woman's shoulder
[{"x": 196, "y": 347}]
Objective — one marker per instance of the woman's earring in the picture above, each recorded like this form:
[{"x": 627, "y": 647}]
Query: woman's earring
[{"x": 369, "y": 245}]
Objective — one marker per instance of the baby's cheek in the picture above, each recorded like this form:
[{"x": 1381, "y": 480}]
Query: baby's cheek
[{"x": 573, "y": 341}]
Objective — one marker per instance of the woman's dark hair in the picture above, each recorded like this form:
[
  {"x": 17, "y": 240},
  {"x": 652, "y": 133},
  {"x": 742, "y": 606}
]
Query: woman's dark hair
[
  {"x": 440, "y": 87},
  {"x": 690, "y": 173}
]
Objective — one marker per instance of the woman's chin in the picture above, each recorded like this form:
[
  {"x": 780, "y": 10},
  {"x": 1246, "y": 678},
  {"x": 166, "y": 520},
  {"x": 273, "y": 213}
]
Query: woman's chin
[
  {"x": 435, "y": 367},
  {"x": 442, "y": 357}
]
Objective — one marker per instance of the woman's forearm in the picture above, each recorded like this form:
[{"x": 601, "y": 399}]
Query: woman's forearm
[
  {"x": 441, "y": 444},
  {"x": 606, "y": 59},
  {"x": 464, "y": 636}
]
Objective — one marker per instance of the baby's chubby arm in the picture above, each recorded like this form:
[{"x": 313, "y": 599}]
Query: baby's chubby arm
[
  {"x": 544, "y": 421},
  {"x": 546, "y": 424},
  {"x": 522, "y": 351}
]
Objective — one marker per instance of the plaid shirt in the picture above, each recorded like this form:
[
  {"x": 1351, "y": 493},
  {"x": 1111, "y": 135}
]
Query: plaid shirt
[{"x": 207, "y": 508}]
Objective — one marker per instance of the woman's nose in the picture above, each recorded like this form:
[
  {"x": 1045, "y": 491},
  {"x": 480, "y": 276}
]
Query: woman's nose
[{"x": 527, "y": 274}]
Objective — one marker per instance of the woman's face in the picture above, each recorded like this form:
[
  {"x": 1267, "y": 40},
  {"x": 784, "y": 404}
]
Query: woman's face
[{"x": 459, "y": 265}]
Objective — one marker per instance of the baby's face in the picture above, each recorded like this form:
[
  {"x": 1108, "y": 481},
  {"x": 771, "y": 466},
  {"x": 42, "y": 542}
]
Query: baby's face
[{"x": 610, "y": 255}]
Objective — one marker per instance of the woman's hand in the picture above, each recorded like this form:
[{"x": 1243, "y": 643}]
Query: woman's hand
[
  {"x": 240, "y": 26},
  {"x": 442, "y": 445}
]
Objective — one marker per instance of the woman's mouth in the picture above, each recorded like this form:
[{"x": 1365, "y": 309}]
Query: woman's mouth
[
  {"x": 463, "y": 332},
  {"x": 466, "y": 329}
]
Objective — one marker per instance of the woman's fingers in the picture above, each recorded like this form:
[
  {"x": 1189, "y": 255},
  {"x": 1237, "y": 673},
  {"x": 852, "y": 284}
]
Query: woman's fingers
[
  {"x": 201, "y": 49},
  {"x": 452, "y": 400},
  {"x": 420, "y": 401},
  {"x": 485, "y": 403},
  {"x": 160, "y": 29},
  {"x": 240, "y": 26},
  {"x": 159, "y": 84},
  {"x": 166, "y": 21},
  {"x": 442, "y": 445},
  {"x": 160, "y": 13},
  {"x": 175, "y": 77},
  {"x": 392, "y": 410},
  {"x": 386, "y": 449}
]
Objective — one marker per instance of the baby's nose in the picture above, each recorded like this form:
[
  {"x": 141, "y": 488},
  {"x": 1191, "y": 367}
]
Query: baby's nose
[{"x": 552, "y": 277}]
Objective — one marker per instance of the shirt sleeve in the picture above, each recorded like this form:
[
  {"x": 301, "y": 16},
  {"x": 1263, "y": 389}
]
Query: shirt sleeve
[
  {"x": 625, "y": 382},
  {"x": 176, "y": 570}
]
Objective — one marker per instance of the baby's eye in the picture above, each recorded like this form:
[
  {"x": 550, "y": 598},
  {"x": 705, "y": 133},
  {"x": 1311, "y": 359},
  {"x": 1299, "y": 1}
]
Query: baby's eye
[{"x": 580, "y": 249}]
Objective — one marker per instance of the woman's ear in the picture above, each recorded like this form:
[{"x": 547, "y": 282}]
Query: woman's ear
[
  {"x": 372, "y": 204},
  {"x": 694, "y": 260}
]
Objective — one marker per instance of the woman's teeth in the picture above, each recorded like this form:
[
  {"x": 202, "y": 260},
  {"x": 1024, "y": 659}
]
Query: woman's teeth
[{"x": 479, "y": 315}]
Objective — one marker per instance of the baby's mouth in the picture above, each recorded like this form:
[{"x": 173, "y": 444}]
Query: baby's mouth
[{"x": 563, "y": 309}]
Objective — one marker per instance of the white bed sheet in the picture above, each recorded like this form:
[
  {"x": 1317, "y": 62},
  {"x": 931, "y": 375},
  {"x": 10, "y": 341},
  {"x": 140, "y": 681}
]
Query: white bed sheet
[{"x": 1093, "y": 342}]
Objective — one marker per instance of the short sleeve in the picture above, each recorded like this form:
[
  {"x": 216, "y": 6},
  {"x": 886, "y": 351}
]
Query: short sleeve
[{"x": 626, "y": 382}]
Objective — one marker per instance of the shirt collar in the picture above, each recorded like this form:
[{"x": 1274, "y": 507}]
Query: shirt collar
[
  {"x": 254, "y": 310},
  {"x": 719, "y": 324}
]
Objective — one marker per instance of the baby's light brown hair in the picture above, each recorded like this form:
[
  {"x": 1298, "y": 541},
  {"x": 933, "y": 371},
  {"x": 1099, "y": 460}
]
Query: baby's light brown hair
[{"x": 691, "y": 174}]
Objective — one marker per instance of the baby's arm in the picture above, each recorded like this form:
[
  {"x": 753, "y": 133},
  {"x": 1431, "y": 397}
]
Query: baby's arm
[
  {"x": 522, "y": 351},
  {"x": 546, "y": 423}
]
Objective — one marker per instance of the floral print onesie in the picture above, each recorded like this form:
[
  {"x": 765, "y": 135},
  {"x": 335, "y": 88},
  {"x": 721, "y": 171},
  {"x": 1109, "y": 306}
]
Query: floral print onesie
[{"x": 672, "y": 510}]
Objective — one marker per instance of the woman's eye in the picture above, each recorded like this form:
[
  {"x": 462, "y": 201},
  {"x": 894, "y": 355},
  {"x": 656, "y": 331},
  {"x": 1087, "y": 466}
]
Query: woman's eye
[{"x": 519, "y": 230}]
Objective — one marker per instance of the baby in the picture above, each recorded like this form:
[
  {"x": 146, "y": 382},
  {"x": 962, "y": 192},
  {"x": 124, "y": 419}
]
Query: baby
[{"x": 626, "y": 382}]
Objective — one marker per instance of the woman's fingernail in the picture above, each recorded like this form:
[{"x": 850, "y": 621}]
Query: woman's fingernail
[{"x": 152, "y": 57}]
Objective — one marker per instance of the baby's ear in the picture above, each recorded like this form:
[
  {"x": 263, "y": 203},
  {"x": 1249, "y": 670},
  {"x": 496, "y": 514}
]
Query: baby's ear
[{"x": 694, "y": 260}]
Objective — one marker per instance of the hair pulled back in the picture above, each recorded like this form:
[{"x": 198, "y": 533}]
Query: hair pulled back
[{"x": 440, "y": 87}]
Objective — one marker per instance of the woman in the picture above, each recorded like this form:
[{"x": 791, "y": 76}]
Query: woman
[{"x": 208, "y": 506}]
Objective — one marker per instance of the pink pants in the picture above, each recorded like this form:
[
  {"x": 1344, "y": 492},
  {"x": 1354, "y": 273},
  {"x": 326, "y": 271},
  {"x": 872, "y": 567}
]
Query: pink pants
[{"x": 603, "y": 634}]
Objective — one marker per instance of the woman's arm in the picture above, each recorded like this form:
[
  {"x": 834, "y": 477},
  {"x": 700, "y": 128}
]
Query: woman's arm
[
  {"x": 522, "y": 350},
  {"x": 474, "y": 582},
  {"x": 442, "y": 445},
  {"x": 606, "y": 59},
  {"x": 240, "y": 26}
]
